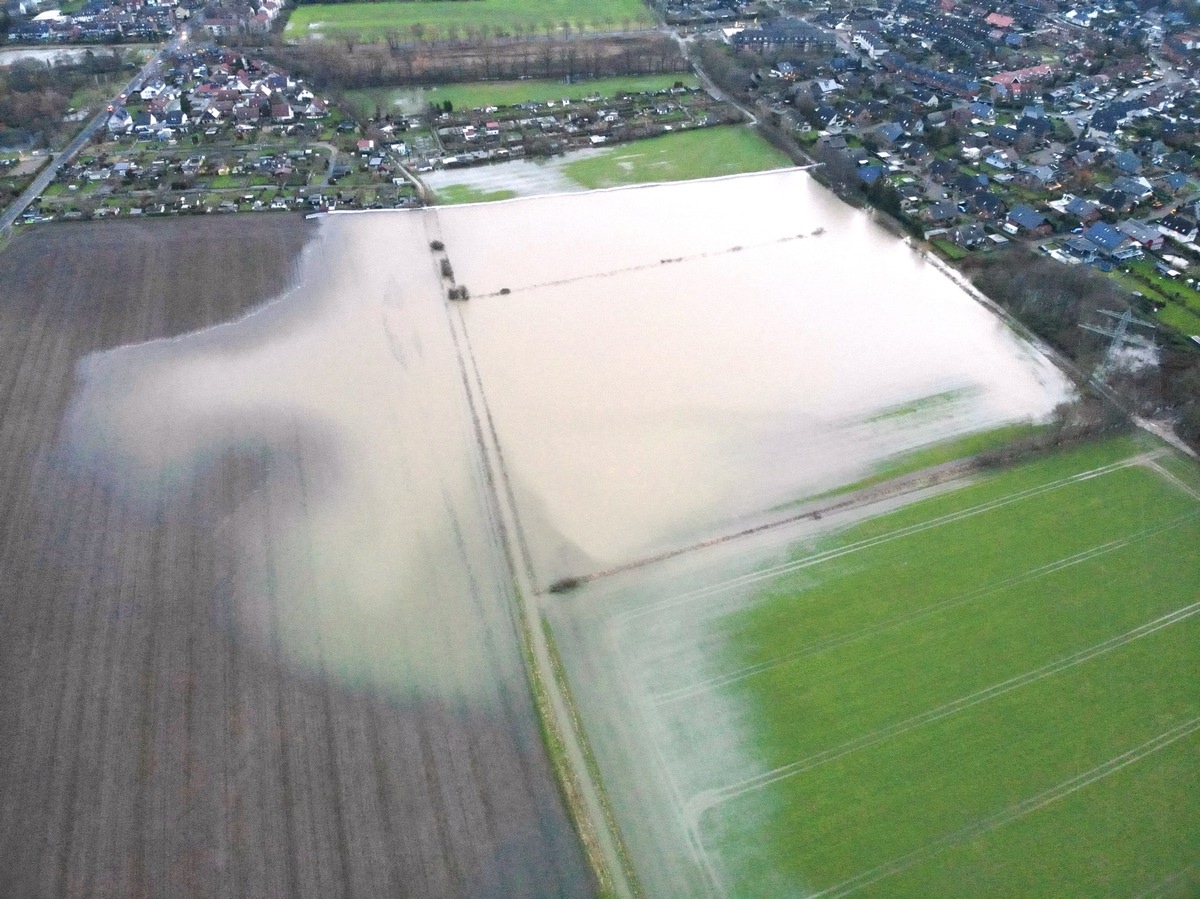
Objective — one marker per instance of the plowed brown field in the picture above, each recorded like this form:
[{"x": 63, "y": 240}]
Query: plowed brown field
[{"x": 151, "y": 742}]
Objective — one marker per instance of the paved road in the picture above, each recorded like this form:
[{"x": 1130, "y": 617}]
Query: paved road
[{"x": 42, "y": 181}]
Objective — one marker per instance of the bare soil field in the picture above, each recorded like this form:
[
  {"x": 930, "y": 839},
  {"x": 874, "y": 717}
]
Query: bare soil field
[{"x": 256, "y": 639}]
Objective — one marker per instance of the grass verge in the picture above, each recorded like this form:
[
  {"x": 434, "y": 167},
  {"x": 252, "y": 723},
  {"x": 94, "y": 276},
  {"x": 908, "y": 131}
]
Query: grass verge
[
  {"x": 560, "y": 675},
  {"x": 465, "y": 193}
]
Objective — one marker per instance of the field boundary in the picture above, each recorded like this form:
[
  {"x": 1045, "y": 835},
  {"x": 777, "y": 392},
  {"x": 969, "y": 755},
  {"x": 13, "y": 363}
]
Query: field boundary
[
  {"x": 561, "y": 732},
  {"x": 702, "y": 593},
  {"x": 1014, "y": 812}
]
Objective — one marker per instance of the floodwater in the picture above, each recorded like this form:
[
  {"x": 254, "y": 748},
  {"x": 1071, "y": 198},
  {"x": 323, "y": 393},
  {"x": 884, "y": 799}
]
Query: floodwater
[
  {"x": 670, "y": 362},
  {"x": 523, "y": 177},
  {"x": 350, "y": 385},
  {"x": 659, "y": 366},
  {"x": 62, "y": 55},
  {"x": 364, "y": 558}
]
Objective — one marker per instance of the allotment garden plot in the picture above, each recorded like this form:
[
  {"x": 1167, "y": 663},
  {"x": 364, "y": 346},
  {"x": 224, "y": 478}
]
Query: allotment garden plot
[{"x": 986, "y": 692}]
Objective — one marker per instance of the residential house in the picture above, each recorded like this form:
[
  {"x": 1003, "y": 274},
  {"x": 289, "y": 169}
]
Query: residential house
[
  {"x": 1117, "y": 200},
  {"x": 1081, "y": 248},
  {"x": 1111, "y": 243},
  {"x": 889, "y": 132},
  {"x": 870, "y": 175},
  {"x": 1175, "y": 182},
  {"x": 1178, "y": 228},
  {"x": 1145, "y": 236},
  {"x": 940, "y": 212},
  {"x": 1087, "y": 212},
  {"x": 1028, "y": 220},
  {"x": 1002, "y": 159},
  {"x": 986, "y": 205},
  {"x": 120, "y": 122},
  {"x": 941, "y": 170},
  {"x": 968, "y": 236},
  {"x": 1127, "y": 163},
  {"x": 1036, "y": 177},
  {"x": 1138, "y": 188}
]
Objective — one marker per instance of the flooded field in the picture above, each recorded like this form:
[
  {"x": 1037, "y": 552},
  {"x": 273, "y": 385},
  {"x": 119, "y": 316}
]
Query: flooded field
[
  {"x": 667, "y": 364},
  {"x": 523, "y": 177},
  {"x": 261, "y": 621},
  {"x": 259, "y": 633}
]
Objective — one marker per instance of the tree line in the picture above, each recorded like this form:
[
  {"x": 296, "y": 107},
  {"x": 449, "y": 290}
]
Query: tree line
[{"x": 330, "y": 66}]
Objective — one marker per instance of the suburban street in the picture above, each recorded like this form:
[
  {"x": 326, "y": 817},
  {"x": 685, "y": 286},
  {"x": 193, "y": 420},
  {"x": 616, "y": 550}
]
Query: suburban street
[{"x": 42, "y": 181}]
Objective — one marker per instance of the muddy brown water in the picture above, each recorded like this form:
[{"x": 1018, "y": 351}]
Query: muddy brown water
[
  {"x": 670, "y": 361},
  {"x": 257, "y": 640}
]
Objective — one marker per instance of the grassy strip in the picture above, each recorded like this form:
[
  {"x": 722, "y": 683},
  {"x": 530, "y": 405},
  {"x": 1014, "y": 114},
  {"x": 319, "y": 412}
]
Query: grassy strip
[
  {"x": 465, "y": 193},
  {"x": 512, "y": 93},
  {"x": 924, "y": 404},
  {"x": 441, "y": 20},
  {"x": 560, "y": 675},
  {"x": 478, "y": 95},
  {"x": 564, "y": 774},
  {"x": 950, "y": 250},
  {"x": 702, "y": 153},
  {"x": 938, "y": 454}
]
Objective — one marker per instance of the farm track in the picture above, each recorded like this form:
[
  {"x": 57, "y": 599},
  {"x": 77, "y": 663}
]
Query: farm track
[{"x": 146, "y": 747}]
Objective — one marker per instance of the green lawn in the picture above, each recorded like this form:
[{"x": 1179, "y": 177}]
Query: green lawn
[
  {"x": 703, "y": 153},
  {"x": 465, "y": 193},
  {"x": 508, "y": 93},
  {"x": 991, "y": 692},
  {"x": 950, "y": 250},
  {"x": 1182, "y": 319},
  {"x": 440, "y": 20}
]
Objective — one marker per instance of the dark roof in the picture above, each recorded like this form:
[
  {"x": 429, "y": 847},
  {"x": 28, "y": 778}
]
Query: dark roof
[
  {"x": 1026, "y": 217},
  {"x": 1081, "y": 208},
  {"x": 869, "y": 174},
  {"x": 1105, "y": 236}
]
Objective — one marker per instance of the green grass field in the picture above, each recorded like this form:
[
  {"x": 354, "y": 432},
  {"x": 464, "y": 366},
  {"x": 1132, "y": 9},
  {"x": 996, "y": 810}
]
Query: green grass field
[
  {"x": 991, "y": 692},
  {"x": 440, "y": 20},
  {"x": 477, "y": 95},
  {"x": 702, "y": 153},
  {"x": 465, "y": 193}
]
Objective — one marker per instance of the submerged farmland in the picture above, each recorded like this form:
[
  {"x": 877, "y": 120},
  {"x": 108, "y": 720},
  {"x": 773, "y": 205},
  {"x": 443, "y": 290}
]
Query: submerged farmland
[
  {"x": 258, "y": 638},
  {"x": 669, "y": 363},
  {"x": 277, "y": 576}
]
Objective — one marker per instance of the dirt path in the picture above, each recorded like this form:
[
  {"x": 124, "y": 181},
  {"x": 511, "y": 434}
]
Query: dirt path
[{"x": 597, "y": 830}]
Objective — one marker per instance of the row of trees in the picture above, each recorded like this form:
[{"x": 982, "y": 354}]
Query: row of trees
[
  {"x": 329, "y": 67},
  {"x": 1053, "y": 300},
  {"x": 35, "y": 96}
]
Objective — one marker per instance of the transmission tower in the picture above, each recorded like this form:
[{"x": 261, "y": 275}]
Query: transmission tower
[{"x": 1119, "y": 337}]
